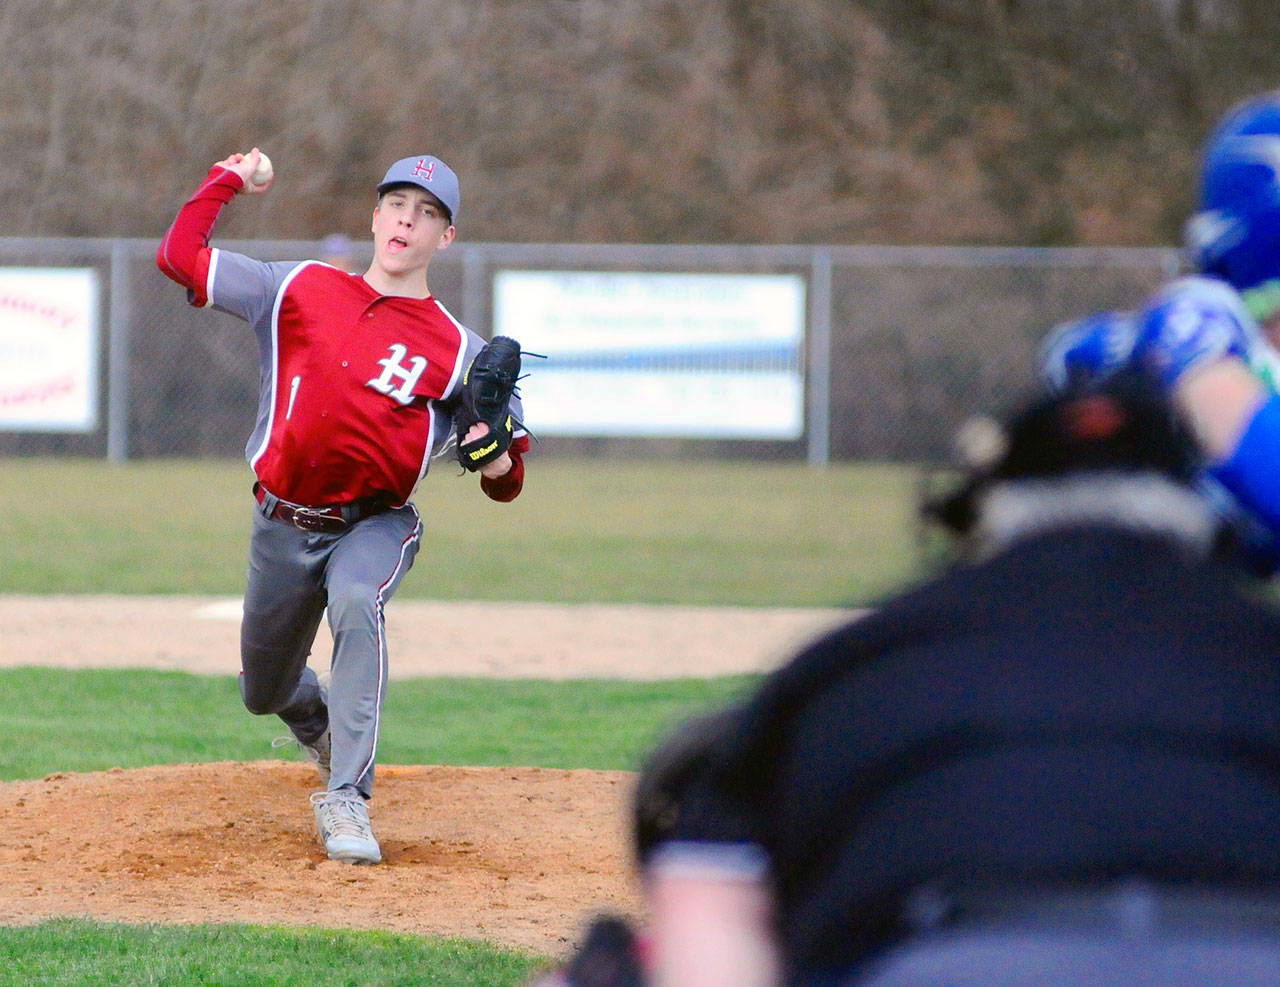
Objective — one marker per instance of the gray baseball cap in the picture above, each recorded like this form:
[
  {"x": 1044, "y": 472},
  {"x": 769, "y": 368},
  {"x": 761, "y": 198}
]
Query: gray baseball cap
[{"x": 427, "y": 173}]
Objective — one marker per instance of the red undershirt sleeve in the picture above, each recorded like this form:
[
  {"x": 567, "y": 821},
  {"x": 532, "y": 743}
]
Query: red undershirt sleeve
[
  {"x": 507, "y": 487},
  {"x": 183, "y": 254}
]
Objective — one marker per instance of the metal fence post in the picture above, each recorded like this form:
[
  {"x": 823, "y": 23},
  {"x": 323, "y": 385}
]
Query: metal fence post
[
  {"x": 119, "y": 319},
  {"x": 473, "y": 264},
  {"x": 819, "y": 369}
]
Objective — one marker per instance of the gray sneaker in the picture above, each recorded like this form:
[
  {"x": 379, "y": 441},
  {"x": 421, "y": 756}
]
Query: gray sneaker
[
  {"x": 318, "y": 752},
  {"x": 343, "y": 821}
]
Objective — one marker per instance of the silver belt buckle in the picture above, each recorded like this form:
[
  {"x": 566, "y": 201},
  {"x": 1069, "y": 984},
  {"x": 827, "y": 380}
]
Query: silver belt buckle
[{"x": 310, "y": 519}]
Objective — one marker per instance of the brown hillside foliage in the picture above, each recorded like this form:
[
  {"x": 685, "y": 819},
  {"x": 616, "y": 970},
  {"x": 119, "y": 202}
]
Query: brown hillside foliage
[{"x": 928, "y": 121}]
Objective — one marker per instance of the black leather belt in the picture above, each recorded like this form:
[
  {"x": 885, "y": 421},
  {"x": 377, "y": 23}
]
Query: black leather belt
[{"x": 331, "y": 518}]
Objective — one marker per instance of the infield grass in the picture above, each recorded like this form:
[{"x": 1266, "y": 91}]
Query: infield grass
[
  {"x": 96, "y": 719},
  {"x": 583, "y": 531},
  {"x": 74, "y": 953}
]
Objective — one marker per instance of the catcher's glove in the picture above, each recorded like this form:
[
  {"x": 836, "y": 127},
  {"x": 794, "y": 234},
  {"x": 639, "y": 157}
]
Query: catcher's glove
[{"x": 487, "y": 387}]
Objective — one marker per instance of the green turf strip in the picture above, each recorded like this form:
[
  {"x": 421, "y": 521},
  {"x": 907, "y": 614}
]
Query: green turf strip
[
  {"x": 74, "y": 952},
  {"x": 94, "y": 720}
]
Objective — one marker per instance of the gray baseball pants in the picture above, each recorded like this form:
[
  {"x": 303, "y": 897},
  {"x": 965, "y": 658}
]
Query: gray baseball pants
[{"x": 293, "y": 576}]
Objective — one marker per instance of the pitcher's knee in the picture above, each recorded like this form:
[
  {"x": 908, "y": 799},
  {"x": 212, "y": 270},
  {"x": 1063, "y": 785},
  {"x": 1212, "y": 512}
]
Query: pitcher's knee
[
  {"x": 263, "y": 698},
  {"x": 353, "y": 606},
  {"x": 260, "y": 708}
]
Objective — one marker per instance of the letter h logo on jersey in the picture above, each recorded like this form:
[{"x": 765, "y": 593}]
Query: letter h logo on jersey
[{"x": 393, "y": 369}]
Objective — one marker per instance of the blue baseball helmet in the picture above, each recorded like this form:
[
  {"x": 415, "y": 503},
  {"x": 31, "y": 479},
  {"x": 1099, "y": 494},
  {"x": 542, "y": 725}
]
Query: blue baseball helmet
[
  {"x": 1236, "y": 233},
  {"x": 1087, "y": 350}
]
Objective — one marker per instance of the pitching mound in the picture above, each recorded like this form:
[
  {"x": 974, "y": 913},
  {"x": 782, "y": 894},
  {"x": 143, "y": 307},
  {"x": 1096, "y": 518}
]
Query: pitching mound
[{"x": 517, "y": 856}]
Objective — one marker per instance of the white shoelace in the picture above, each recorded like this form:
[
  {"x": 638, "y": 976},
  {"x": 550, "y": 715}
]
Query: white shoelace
[
  {"x": 315, "y": 753},
  {"x": 344, "y": 814}
]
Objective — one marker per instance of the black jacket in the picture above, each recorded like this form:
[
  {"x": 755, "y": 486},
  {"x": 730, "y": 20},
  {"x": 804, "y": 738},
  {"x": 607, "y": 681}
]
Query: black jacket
[{"x": 1090, "y": 703}]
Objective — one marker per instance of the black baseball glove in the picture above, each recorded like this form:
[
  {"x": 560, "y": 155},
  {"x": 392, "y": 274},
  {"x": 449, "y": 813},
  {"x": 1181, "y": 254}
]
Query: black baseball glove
[{"x": 487, "y": 387}]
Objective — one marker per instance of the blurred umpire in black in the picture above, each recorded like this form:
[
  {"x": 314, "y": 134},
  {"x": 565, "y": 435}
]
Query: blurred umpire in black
[{"x": 1058, "y": 762}]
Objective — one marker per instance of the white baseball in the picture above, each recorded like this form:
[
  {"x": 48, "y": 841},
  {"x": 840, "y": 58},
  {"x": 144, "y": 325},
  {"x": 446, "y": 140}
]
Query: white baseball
[{"x": 262, "y": 174}]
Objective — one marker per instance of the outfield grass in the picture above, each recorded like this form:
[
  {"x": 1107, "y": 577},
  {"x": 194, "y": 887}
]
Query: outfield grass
[
  {"x": 583, "y": 531},
  {"x": 754, "y": 534}
]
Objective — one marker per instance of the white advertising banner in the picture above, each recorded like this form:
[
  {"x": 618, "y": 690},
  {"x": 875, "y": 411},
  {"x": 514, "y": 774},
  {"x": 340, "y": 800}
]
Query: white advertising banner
[
  {"x": 638, "y": 354},
  {"x": 48, "y": 349}
]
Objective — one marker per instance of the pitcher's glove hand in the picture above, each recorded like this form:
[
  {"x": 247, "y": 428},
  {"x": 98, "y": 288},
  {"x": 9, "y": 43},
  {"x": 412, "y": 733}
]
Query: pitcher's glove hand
[{"x": 487, "y": 387}]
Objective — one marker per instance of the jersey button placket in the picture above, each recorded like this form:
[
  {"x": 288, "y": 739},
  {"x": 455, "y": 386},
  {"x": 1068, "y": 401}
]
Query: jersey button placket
[{"x": 355, "y": 326}]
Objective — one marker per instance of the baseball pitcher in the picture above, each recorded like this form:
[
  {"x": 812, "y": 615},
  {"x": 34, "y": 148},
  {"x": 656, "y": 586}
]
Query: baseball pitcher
[{"x": 363, "y": 379}]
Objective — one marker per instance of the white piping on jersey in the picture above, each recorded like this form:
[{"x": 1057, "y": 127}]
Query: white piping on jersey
[
  {"x": 275, "y": 362},
  {"x": 458, "y": 368},
  {"x": 462, "y": 352},
  {"x": 208, "y": 278},
  {"x": 432, "y": 426},
  {"x": 383, "y": 661}
]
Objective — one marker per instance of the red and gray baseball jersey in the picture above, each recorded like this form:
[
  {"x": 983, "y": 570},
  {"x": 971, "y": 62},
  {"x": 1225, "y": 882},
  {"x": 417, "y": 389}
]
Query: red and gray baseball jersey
[{"x": 354, "y": 385}]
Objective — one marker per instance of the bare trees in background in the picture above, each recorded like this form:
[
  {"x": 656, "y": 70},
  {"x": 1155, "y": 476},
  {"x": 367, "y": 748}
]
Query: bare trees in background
[{"x": 1006, "y": 121}]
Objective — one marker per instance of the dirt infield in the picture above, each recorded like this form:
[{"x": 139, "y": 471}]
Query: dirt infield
[
  {"x": 520, "y": 640},
  {"x": 517, "y": 856}
]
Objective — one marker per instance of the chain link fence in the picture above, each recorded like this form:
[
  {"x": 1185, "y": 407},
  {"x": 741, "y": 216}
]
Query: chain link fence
[{"x": 903, "y": 344}]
